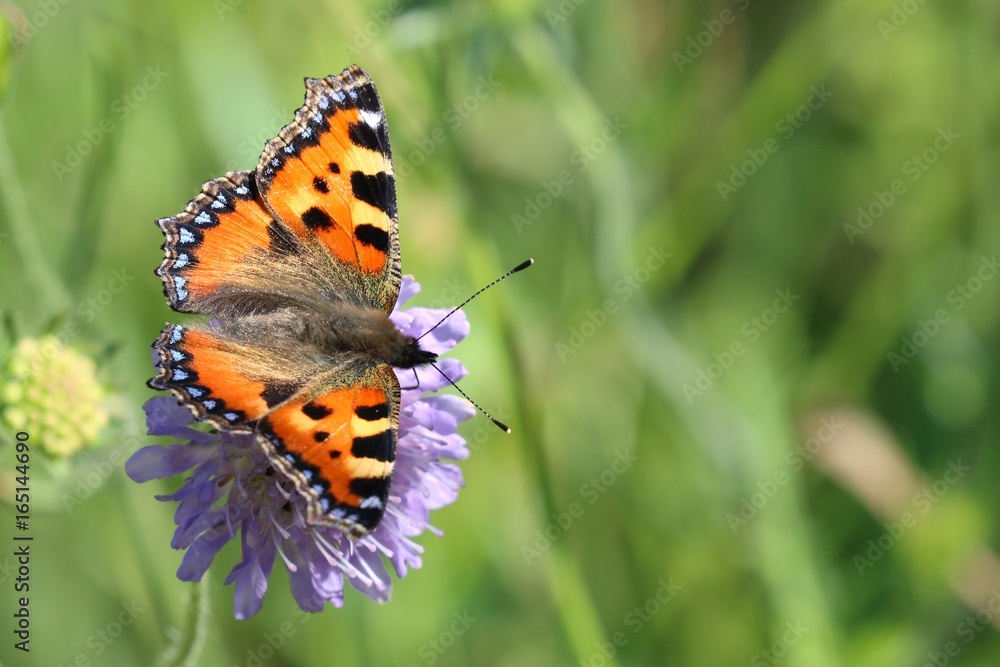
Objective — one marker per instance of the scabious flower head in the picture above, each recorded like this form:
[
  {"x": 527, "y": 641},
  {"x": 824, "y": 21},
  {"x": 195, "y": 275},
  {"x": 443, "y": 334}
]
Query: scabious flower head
[
  {"x": 232, "y": 491},
  {"x": 52, "y": 392}
]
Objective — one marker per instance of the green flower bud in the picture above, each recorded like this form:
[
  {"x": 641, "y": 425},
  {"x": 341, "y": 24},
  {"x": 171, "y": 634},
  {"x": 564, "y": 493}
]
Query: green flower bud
[{"x": 52, "y": 392}]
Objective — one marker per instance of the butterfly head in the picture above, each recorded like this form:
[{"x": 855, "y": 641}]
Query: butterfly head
[{"x": 410, "y": 355}]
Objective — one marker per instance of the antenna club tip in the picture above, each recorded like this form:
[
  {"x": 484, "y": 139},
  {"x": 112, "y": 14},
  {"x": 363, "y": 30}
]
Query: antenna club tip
[
  {"x": 523, "y": 265},
  {"x": 503, "y": 427}
]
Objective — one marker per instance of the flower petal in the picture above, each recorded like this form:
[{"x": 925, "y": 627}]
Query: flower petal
[{"x": 162, "y": 461}]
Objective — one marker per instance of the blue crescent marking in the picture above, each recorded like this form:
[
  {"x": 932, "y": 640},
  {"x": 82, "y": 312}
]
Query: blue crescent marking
[{"x": 179, "y": 284}]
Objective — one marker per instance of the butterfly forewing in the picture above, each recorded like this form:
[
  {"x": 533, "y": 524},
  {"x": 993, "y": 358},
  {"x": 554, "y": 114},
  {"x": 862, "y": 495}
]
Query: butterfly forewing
[{"x": 328, "y": 176}]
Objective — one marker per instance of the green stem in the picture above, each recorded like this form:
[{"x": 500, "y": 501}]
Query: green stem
[{"x": 185, "y": 650}]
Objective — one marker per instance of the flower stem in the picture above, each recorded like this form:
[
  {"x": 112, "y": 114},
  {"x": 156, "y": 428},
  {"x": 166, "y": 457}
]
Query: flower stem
[{"x": 185, "y": 648}]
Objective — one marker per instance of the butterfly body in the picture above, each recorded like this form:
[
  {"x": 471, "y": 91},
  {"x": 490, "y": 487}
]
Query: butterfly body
[{"x": 297, "y": 266}]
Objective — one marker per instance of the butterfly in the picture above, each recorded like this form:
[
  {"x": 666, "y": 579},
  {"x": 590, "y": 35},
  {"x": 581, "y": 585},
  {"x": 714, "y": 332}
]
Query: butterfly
[{"x": 297, "y": 266}]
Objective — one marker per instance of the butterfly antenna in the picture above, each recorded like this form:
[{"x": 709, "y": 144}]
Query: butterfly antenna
[
  {"x": 520, "y": 267},
  {"x": 503, "y": 427}
]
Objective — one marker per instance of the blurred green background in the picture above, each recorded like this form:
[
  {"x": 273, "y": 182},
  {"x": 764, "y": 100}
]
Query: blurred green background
[{"x": 752, "y": 377}]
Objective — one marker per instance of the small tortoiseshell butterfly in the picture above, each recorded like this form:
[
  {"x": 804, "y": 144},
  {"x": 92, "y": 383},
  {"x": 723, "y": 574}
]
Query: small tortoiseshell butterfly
[{"x": 297, "y": 265}]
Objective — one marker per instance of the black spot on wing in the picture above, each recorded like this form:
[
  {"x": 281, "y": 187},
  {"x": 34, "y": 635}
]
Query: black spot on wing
[
  {"x": 368, "y": 98},
  {"x": 334, "y": 168},
  {"x": 372, "y": 413},
  {"x": 379, "y": 190},
  {"x": 368, "y": 517},
  {"x": 315, "y": 218},
  {"x": 316, "y": 411},
  {"x": 372, "y": 236},
  {"x": 362, "y": 134},
  {"x": 320, "y": 185},
  {"x": 365, "y": 487},
  {"x": 378, "y": 446},
  {"x": 321, "y": 436}
]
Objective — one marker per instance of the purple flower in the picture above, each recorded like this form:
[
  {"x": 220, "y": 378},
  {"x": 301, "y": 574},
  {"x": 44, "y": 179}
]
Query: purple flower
[{"x": 232, "y": 491}]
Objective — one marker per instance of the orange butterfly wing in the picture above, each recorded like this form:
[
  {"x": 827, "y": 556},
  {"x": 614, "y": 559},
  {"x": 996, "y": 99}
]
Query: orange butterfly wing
[
  {"x": 339, "y": 447},
  {"x": 328, "y": 176},
  {"x": 230, "y": 384},
  {"x": 218, "y": 248},
  {"x": 334, "y": 436}
]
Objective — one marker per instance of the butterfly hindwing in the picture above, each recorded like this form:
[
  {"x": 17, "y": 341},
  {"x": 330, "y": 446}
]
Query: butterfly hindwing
[
  {"x": 339, "y": 446},
  {"x": 227, "y": 383},
  {"x": 328, "y": 176},
  {"x": 335, "y": 438}
]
